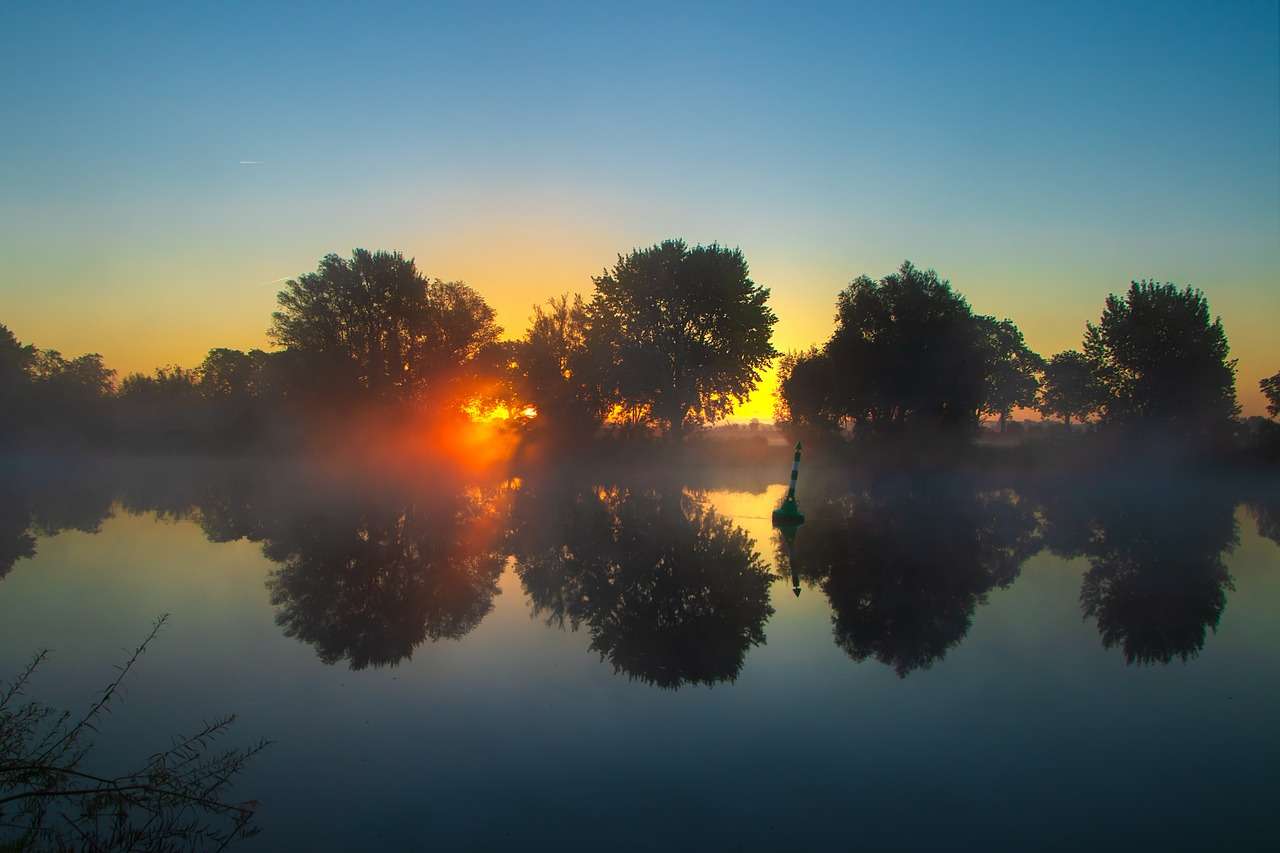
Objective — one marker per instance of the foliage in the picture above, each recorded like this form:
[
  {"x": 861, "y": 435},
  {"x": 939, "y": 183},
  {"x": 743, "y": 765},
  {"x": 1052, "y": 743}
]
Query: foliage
[
  {"x": 805, "y": 390},
  {"x": 383, "y": 326},
  {"x": 1011, "y": 368},
  {"x": 1271, "y": 390},
  {"x": 1069, "y": 389},
  {"x": 556, "y": 372},
  {"x": 682, "y": 334},
  {"x": 1162, "y": 362},
  {"x": 908, "y": 351},
  {"x": 172, "y": 801},
  {"x": 46, "y": 398}
]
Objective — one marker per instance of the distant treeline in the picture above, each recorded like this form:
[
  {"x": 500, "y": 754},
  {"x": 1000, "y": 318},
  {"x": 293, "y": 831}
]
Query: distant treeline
[{"x": 672, "y": 337}]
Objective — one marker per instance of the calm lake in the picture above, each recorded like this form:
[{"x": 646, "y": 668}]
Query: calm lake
[{"x": 568, "y": 658}]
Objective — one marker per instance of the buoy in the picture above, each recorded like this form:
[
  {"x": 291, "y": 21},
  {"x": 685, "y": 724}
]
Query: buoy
[{"x": 789, "y": 513}]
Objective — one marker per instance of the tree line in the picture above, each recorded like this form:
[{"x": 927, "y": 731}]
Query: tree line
[
  {"x": 908, "y": 354},
  {"x": 671, "y": 337}
]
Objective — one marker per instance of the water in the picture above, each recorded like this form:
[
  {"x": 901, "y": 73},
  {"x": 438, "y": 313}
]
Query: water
[{"x": 568, "y": 659}]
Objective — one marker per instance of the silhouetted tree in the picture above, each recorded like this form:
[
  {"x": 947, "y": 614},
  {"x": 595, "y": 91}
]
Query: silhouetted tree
[
  {"x": 806, "y": 386},
  {"x": 165, "y": 409},
  {"x": 905, "y": 564},
  {"x": 682, "y": 333},
  {"x": 907, "y": 351},
  {"x": 63, "y": 401},
  {"x": 671, "y": 592},
  {"x": 1070, "y": 389},
  {"x": 1271, "y": 390},
  {"x": 228, "y": 374},
  {"x": 1162, "y": 361},
  {"x": 1011, "y": 368},
  {"x": 555, "y": 371},
  {"x": 382, "y": 325},
  {"x": 15, "y": 381}
]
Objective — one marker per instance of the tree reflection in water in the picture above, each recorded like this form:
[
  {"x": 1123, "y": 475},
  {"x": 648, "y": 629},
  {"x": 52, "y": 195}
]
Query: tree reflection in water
[
  {"x": 670, "y": 592},
  {"x": 905, "y": 563},
  {"x": 44, "y": 500},
  {"x": 371, "y": 585},
  {"x": 367, "y": 570},
  {"x": 1157, "y": 580}
]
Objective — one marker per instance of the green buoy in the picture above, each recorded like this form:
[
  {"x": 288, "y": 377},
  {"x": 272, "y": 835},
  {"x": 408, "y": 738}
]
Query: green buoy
[{"x": 789, "y": 514}]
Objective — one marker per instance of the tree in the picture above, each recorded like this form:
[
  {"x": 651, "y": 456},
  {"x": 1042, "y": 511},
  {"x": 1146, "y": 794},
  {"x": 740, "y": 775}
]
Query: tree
[
  {"x": 1011, "y": 369},
  {"x": 556, "y": 373},
  {"x": 15, "y": 359},
  {"x": 227, "y": 374},
  {"x": 682, "y": 333},
  {"x": 1069, "y": 389},
  {"x": 1271, "y": 390},
  {"x": 907, "y": 350},
  {"x": 805, "y": 384},
  {"x": 386, "y": 328},
  {"x": 68, "y": 398},
  {"x": 1162, "y": 361},
  {"x": 15, "y": 379}
]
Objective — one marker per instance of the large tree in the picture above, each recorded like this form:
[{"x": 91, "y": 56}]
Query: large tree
[
  {"x": 1162, "y": 360},
  {"x": 382, "y": 323},
  {"x": 683, "y": 332},
  {"x": 907, "y": 350},
  {"x": 1069, "y": 389}
]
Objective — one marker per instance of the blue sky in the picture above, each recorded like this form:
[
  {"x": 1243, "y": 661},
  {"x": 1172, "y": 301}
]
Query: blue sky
[{"x": 1038, "y": 155}]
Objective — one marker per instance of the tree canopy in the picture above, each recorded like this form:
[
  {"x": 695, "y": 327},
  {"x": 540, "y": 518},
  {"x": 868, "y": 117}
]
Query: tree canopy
[
  {"x": 1011, "y": 369},
  {"x": 556, "y": 372},
  {"x": 682, "y": 333},
  {"x": 905, "y": 351},
  {"x": 909, "y": 352},
  {"x": 1069, "y": 389},
  {"x": 395, "y": 332},
  {"x": 1161, "y": 360},
  {"x": 1271, "y": 390},
  {"x": 806, "y": 390}
]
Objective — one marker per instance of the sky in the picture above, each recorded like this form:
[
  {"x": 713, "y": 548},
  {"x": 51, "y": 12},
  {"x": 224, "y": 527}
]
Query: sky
[{"x": 163, "y": 169}]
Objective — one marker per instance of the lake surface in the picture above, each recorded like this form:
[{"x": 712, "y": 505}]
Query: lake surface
[{"x": 567, "y": 658}]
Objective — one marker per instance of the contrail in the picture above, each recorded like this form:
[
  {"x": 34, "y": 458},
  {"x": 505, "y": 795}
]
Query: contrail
[{"x": 250, "y": 162}]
